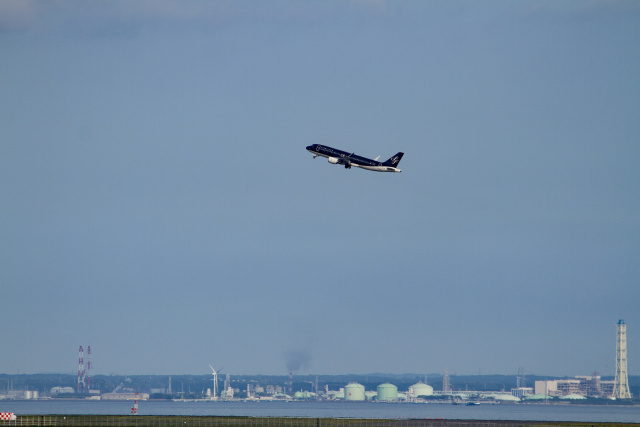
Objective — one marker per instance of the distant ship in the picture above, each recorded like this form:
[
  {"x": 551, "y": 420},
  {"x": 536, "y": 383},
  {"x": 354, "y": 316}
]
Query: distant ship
[{"x": 473, "y": 403}]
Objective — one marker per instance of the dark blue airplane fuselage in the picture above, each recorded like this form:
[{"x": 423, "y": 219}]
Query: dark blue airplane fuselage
[{"x": 339, "y": 157}]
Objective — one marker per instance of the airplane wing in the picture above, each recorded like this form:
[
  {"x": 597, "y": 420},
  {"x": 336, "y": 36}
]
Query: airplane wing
[{"x": 347, "y": 161}]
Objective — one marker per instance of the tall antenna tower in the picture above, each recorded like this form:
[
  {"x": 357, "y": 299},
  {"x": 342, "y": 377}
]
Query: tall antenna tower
[
  {"x": 89, "y": 366},
  {"x": 520, "y": 379},
  {"x": 621, "y": 385},
  {"x": 81, "y": 383},
  {"x": 446, "y": 387}
]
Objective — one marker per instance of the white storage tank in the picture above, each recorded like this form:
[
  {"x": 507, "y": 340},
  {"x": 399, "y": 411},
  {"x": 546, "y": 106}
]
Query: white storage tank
[
  {"x": 387, "y": 392},
  {"x": 354, "y": 392},
  {"x": 421, "y": 389}
]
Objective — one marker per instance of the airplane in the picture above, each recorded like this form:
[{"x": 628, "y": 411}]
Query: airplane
[{"x": 339, "y": 157}]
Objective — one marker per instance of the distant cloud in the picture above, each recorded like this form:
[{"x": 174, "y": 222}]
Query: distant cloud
[
  {"x": 91, "y": 16},
  {"x": 582, "y": 7},
  {"x": 375, "y": 3},
  {"x": 18, "y": 14},
  {"x": 101, "y": 17}
]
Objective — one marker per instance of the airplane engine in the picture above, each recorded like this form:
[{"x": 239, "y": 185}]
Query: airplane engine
[{"x": 333, "y": 160}]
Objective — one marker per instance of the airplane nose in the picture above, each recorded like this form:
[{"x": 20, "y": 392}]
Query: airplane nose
[{"x": 310, "y": 147}]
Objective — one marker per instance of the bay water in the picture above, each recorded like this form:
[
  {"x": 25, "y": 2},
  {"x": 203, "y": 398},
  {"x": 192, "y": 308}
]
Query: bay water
[{"x": 515, "y": 412}]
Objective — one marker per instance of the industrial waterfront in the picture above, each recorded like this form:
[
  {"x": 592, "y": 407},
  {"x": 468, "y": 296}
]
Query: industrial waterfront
[{"x": 586, "y": 398}]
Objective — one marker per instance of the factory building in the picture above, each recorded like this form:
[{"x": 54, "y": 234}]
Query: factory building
[
  {"x": 304, "y": 395},
  {"x": 589, "y": 386},
  {"x": 62, "y": 390},
  {"x": 593, "y": 386},
  {"x": 521, "y": 391},
  {"x": 567, "y": 387},
  {"x": 547, "y": 388},
  {"x": 273, "y": 389},
  {"x": 125, "y": 396}
]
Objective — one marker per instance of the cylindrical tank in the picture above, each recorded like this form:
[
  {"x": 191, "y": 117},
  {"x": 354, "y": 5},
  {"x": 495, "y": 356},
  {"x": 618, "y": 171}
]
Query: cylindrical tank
[
  {"x": 354, "y": 392},
  {"x": 36, "y": 394},
  {"x": 387, "y": 392},
  {"x": 28, "y": 394},
  {"x": 422, "y": 389}
]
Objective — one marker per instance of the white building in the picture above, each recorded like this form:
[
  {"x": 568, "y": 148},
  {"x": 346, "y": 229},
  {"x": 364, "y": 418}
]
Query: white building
[
  {"x": 521, "y": 391},
  {"x": 62, "y": 390},
  {"x": 582, "y": 385},
  {"x": 550, "y": 388}
]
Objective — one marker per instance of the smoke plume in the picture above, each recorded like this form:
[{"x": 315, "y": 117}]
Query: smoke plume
[{"x": 297, "y": 360}]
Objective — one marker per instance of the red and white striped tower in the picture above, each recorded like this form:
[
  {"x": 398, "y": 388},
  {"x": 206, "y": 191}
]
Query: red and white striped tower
[
  {"x": 81, "y": 384},
  {"x": 89, "y": 367},
  {"x": 134, "y": 408}
]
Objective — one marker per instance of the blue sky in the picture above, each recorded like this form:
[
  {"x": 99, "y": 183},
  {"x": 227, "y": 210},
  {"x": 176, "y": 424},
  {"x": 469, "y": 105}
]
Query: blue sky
[{"x": 158, "y": 203}]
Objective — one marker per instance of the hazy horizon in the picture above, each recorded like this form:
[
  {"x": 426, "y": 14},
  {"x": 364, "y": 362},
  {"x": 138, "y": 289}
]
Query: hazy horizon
[{"x": 405, "y": 375}]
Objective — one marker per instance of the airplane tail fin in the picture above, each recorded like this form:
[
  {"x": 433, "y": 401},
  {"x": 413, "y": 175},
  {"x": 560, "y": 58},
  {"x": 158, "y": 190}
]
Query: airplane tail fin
[{"x": 394, "y": 160}]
